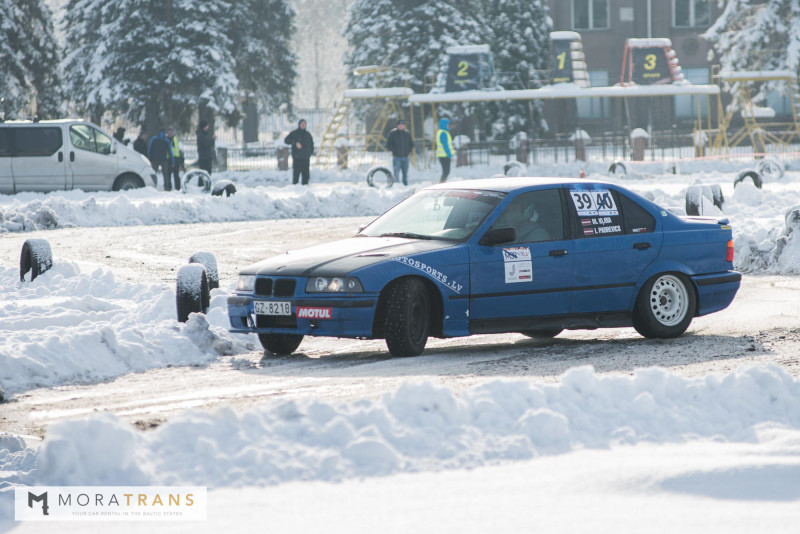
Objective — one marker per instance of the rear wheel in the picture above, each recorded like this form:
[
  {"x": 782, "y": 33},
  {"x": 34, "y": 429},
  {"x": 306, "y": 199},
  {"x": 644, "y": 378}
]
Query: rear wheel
[
  {"x": 665, "y": 306},
  {"x": 408, "y": 317},
  {"x": 127, "y": 181},
  {"x": 281, "y": 344}
]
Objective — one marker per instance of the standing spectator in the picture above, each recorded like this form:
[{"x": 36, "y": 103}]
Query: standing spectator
[
  {"x": 161, "y": 156},
  {"x": 177, "y": 158},
  {"x": 119, "y": 135},
  {"x": 140, "y": 145},
  {"x": 400, "y": 144},
  {"x": 302, "y": 149},
  {"x": 444, "y": 148},
  {"x": 205, "y": 146}
]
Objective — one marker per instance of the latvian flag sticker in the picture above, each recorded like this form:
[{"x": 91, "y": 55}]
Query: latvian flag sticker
[{"x": 587, "y": 227}]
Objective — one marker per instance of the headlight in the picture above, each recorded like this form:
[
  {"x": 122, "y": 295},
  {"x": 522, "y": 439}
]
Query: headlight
[
  {"x": 247, "y": 282},
  {"x": 337, "y": 284}
]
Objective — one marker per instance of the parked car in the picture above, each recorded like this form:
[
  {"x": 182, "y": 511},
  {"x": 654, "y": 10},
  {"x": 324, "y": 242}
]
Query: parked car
[
  {"x": 534, "y": 256},
  {"x": 67, "y": 154}
]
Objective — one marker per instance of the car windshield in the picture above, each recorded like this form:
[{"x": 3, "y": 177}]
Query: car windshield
[{"x": 452, "y": 215}]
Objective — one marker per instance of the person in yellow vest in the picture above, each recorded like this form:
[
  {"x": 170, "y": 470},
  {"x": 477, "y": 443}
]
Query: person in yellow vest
[
  {"x": 177, "y": 157},
  {"x": 444, "y": 147}
]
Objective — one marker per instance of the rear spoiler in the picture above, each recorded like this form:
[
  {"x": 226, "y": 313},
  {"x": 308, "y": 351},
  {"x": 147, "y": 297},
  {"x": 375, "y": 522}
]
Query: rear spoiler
[{"x": 718, "y": 220}]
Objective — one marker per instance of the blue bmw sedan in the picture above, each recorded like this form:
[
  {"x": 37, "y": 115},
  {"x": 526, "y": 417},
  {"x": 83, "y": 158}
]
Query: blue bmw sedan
[{"x": 529, "y": 255}]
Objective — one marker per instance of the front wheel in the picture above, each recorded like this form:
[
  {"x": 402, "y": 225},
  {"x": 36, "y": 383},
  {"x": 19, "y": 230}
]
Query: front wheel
[
  {"x": 281, "y": 344},
  {"x": 408, "y": 317},
  {"x": 665, "y": 306}
]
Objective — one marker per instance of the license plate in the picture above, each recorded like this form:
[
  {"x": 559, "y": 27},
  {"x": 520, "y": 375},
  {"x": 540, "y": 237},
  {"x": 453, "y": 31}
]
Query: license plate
[{"x": 264, "y": 307}]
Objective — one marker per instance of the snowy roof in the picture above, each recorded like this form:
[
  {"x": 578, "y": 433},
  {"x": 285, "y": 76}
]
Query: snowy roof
[
  {"x": 744, "y": 75},
  {"x": 566, "y": 36},
  {"x": 468, "y": 49},
  {"x": 759, "y": 113},
  {"x": 380, "y": 92},
  {"x": 653, "y": 41},
  {"x": 565, "y": 91}
]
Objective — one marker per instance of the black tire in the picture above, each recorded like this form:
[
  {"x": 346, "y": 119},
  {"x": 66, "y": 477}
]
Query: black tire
[
  {"x": 749, "y": 173},
  {"x": 191, "y": 294},
  {"x": 665, "y": 306},
  {"x": 196, "y": 181},
  {"x": 694, "y": 200},
  {"x": 771, "y": 168},
  {"x": 718, "y": 197},
  {"x": 280, "y": 344},
  {"x": 35, "y": 257},
  {"x": 127, "y": 181},
  {"x": 407, "y": 320},
  {"x": 542, "y": 334},
  {"x": 386, "y": 171},
  {"x": 515, "y": 168},
  {"x": 223, "y": 187},
  {"x": 617, "y": 169},
  {"x": 207, "y": 260}
]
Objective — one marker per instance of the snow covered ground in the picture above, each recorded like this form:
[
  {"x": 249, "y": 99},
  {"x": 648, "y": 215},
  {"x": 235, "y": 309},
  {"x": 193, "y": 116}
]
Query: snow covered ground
[{"x": 650, "y": 451}]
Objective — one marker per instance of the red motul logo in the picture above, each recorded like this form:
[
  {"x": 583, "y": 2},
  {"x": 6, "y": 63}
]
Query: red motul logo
[{"x": 313, "y": 313}]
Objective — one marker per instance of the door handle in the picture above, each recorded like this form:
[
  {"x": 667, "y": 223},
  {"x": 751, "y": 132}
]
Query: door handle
[
  {"x": 641, "y": 246},
  {"x": 72, "y": 156},
  {"x": 558, "y": 252},
  {"x": 60, "y": 157}
]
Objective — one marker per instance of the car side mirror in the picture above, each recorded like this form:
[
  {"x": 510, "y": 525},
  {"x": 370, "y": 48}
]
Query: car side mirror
[{"x": 498, "y": 236}]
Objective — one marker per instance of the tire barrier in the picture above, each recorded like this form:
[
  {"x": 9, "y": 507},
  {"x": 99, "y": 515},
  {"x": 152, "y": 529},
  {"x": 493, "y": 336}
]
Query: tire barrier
[
  {"x": 380, "y": 169},
  {"x": 617, "y": 169},
  {"x": 207, "y": 260},
  {"x": 514, "y": 168},
  {"x": 771, "y": 168},
  {"x": 749, "y": 173},
  {"x": 696, "y": 193},
  {"x": 223, "y": 187},
  {"x": 36, "y": 257},
  {"x": 196, "y": 181},
  {"x": 192, "y": 293}
]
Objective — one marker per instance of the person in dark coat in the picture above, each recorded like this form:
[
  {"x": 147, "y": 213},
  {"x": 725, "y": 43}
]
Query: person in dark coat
[
  {"x": 119, "y": 135},
  {"x": 205, "y": 146},
  {"x": 302, "y": 149},
  {"x": 140, "y": 145},
  {"x": 400, "y": 144},
  {"x": 161, "y": 156}
]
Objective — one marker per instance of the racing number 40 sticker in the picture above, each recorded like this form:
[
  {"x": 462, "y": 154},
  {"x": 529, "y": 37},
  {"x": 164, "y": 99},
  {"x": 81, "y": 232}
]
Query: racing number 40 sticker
[{"x": 593, "y": 202}]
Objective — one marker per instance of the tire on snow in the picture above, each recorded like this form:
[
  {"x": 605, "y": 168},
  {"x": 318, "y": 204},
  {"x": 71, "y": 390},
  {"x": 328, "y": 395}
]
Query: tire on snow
[
  {"x": 771, "y": 168},
  {"x": 665, "y": 306},
  {"x": 749, "y": 173},
  {"x": 617, "y": 169},
  {"x": 407, "y": 321},
  {"x": 280, "y": 344},
  {"x": 694, "y": 200},
  {"x": 717, "y": 196},
  {"x": 515, "y": 168},
  {"x": 386, "y": 171},
  {"x": 192, "y": 291},
  {"x": 223, "y": 187},
  {"x": 35, "y": 257},
  {"x": 196, "y": 181},
  {"x": 207, "y": 260}
]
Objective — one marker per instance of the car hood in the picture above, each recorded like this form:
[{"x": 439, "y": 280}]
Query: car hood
[{"x": 343, "y": 257}]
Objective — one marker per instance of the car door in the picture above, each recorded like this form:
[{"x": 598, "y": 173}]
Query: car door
[
  {"x": 38, "y": 158},
  {"x": 513, "y": 284},
  {"x": 91, "y": 161},
  {"x": 6, "y": 178},
  {"x": 615, "y": 240}
]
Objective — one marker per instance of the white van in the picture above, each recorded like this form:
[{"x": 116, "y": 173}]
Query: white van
[{"x": 67, "y": 154}]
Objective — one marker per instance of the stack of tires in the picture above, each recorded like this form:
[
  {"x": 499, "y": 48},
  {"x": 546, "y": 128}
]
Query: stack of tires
[{"x": 194, "y": 284}]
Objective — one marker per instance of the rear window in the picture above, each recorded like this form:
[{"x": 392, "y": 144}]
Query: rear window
[
  {"x": 637, "y": 219},
  {"x": 36, "y": 141}
]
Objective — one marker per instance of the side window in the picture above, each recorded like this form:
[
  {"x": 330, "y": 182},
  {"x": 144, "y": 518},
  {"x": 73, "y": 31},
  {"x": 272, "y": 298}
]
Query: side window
[
  {"x": 102, "y": 141},
  {"x": 82, "y": 137},
  {"x": 36, "y": 141},
  {"x": 536, "y": 216},
  {"x": 5, "y": 142},
  {"x": 596, "y": 211},
  {"x": 637, "y": 219}
]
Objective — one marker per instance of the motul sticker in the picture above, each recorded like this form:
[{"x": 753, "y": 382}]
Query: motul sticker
[
  {"x": 516, "y": 254},
  {"x": 314, "y": 313}
]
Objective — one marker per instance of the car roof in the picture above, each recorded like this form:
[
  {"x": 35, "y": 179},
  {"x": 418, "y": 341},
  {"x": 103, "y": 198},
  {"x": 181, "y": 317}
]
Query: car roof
[
  {"x": 43, "y": 123},
  {"x": 508, "y": 184}
]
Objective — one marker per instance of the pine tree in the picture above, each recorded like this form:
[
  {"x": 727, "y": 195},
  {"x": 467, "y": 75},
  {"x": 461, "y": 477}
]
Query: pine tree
[
  {"x": 758, "y": 35},
  {"x": 84, "y": 25},
  {"x": 29, "y": 80},
  {"x": 520, "y": 44}
]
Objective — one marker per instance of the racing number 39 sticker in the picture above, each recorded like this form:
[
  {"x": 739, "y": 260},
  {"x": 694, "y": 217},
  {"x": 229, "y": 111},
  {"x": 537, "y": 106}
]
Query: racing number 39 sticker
[{"x": 593, "y": 202}]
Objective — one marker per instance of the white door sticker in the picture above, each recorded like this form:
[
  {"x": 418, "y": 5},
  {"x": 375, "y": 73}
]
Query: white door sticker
[{"x": 518, "y": 265}]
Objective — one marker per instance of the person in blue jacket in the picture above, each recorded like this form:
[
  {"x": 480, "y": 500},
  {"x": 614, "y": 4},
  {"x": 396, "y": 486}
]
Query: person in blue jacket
[
  {"x": 161, "y": 156},
  {"x": 444, "y": 147}
]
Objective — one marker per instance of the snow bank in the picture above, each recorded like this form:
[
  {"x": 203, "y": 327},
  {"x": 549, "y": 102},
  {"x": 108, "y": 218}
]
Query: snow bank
[
  {"x": 419, "y": 427},
  {"x": 70, "y": 326}
]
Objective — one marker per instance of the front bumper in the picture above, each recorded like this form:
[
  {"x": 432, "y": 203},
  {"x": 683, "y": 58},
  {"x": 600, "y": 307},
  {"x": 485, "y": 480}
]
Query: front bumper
[{"x": 324, "y": 315}]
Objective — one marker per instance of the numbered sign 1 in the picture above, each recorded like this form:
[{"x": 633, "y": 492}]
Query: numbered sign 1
[
  {"x": 561, "y": 61},
  {"x": 463, "y": 73},
  {"x": 650, "y": 66}
]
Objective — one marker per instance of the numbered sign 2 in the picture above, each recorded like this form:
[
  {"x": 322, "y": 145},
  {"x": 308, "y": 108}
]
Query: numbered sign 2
[{"x": 463, "y": 73}]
